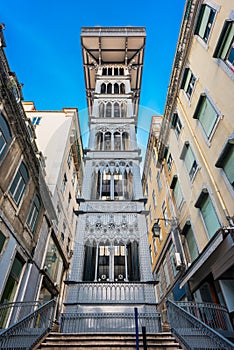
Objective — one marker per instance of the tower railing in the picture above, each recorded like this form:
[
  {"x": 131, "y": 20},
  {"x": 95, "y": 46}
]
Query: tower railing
[
  {"x": 30, "y": 329},
  {"x": 193, "y": 333},
  {"x": 112, "y": 292}
]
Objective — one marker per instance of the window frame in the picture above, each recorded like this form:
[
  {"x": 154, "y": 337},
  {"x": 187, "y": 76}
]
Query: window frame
[
  {"x": 225, "y": 155},
  {"x": 188, "y": 152},
  {"x": 205, "y": 22},
  {"x": 13, "y": 189},
  {"x": 188, "y": 83},
  {"x": 201, "y": 201},
  {"x": 35, "y": 208},
  {"x": 204, "y": 98},
  {"x": 225, "y": 44}
]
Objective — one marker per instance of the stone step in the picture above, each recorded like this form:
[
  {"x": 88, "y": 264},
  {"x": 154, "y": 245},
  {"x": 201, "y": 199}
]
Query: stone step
[{"x": 115, "y": 341}]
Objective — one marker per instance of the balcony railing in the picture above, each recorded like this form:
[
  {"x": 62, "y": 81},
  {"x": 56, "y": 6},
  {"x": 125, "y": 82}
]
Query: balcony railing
[
  {"x": 215, "y": 316},
  {"x": 109, "y": 322},
  {"x": 29, "y": 330},
  {"x": 11, "y": 313},
  {"x": 193, "y": 333},
  {"x": 111, "y": 292}
]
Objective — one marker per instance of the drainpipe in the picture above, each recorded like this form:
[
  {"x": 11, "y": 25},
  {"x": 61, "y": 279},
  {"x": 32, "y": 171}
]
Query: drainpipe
[{"x": 136, "y": 327}]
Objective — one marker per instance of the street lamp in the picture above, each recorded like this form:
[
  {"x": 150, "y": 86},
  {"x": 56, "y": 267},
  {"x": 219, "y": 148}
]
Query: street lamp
[{"x": 157, "y": 228}]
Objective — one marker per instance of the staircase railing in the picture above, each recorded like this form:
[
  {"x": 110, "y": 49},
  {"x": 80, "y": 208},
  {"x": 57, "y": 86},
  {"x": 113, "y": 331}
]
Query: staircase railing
[
  {"x": 109, "y": 322},
  {"x": 214, "y": 315},
  {"x": 11, "y": 313},
  {"x": 193, "y": 333},
  {"x": 28, "y": 331}
]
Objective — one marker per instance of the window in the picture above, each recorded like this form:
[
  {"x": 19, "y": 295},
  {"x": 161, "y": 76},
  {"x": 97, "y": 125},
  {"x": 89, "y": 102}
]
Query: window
[
  {"x": 154, "y": 158},
  {"x": 5, "y": 135},
  {"x": 190, "y": 245},
  {"x": 34, "y": 213},
  {"x": 150, "y": 213},
  {"x": 155, "y": 245},
  {"x": 160, "y": 284},
  {"x": 189, "y": 160},
  {"x": 150, "y": 174},
  {"x": 165, "y": 216},
  {"x": 64, "y": 183},
  {"x": 54, "y": 262},
  {"x": 169, "y": 161},
  {"x": 226, "y": 161},
  {"x": 36, "y": 120},
  {"x": 110, "y": 186},
  {"x": 159, "y": 181},
  {"x": 69, "y": 159},
  {"x": 188, "y": 82},
  {"x": 204, "y": 23},
  {"x": 19, "y": 183},
  {"x": 225, "y": 46},
  {"x": 176, "y": 124},
  {"x": 111, "y": 263},
  {"x": 177, "y": 193},
  {"x": 154, "y": 199},
  {"x": 208, "y": 212},
  {"x": 166, "y": 272},
  {"x": 151, "y": 254},
  {"x": 172, "y": 259},
  {"x": 2, "y": 241},
  {"x": 69, "y": 200},
  {"x": 207, "y": 115}
]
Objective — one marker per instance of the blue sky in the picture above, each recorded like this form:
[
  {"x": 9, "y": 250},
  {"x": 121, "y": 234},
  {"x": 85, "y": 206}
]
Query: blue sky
[{"x": 43, "y": 48}]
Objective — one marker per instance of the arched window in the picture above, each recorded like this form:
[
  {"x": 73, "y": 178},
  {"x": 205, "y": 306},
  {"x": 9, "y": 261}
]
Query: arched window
[
  {"x": 107, "y": 141},
  {"x": 116, "y": 71},
  {"x": 101, "y": 110},
  {"x": 121, "y": 71},
  {"x": 123, "y": 110},
  {"x": 122, "y": 88},
  {"x": 5, "y": 135},
  {"x": 109, "y": 71},
  {"x": 109, "y": 88},
  {"x": 125, "y": 141},
  {"x": 108, "y": 110},
  {"x": 103, "y": 88},
  {"x": 117, "y": 141},
  {"x": 116, "y": 110},
  {"x": 116, "y": 88},
  {"x": 104, "y": 71},
  {"x": 99, "y": 141}
]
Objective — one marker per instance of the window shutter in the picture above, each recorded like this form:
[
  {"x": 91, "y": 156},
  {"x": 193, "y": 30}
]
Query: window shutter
[
  {"x": 199, "y": 106},
  {"x": 228, "y": 41},
  {"x": 204, "y": 21},
  {"x": 199, "y": 19},
  {"x": 173, "y": 182},
  {"x": 225, "y": 40},
  {"x": 174, "y": 120}
]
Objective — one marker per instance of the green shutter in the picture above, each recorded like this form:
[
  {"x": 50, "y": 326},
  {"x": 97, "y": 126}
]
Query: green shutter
[
  {"x": 192, "y": 246},
  {"x": 184, "y": 78}
]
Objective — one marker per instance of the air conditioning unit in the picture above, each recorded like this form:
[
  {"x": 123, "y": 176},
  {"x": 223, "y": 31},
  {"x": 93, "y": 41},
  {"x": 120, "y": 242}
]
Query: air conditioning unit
[{"x": 178, "y": 262}]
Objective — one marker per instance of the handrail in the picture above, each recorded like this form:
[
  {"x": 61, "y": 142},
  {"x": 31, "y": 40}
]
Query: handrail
[
  {"x": 12, "y": 312},
  {"x": 192, "y": 332},
  {"x": 30, "y": 329},
  {"x": 214, "y": 315}
]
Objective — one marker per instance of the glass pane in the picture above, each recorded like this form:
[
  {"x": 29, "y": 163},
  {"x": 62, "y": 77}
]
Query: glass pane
[
  {"x": 207, "y": 117},
  {"x": 191, "y": 243},
  {"x": 228, "y": 166},
  {"x": 2, "y": 143},
  {"x": 209, "y": 216},
  {"x": 204, "y": 22},
  {"x": 2, "y": 240},
  {"x": 189, "y": 158}
]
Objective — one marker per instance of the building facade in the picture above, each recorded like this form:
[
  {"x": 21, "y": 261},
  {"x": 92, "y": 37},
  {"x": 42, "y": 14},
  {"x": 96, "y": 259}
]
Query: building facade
[
  {"x": 61, "y": 148},
  {"x": 195, "y": 152},
  {"x": 26, "y": 209},
  {"x": 111, "y": 265}
]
